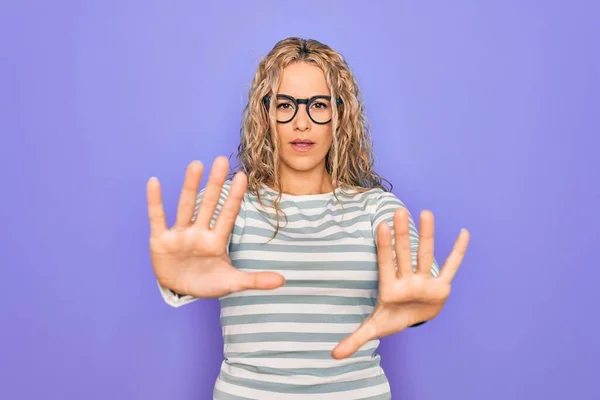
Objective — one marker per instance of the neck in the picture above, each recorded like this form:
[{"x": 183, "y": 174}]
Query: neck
[{"x": 306, "y": 182}]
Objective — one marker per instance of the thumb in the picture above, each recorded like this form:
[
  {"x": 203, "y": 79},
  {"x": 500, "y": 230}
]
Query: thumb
[
  {"x": 257, "y": 280},
  {"x": 353, "y": 342}
]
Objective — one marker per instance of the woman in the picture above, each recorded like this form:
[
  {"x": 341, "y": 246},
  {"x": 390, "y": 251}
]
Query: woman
[{"x": 293, "y": 244}]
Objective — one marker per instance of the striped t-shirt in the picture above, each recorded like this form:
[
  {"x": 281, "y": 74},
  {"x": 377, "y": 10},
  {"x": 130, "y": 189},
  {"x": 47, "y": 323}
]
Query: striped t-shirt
[{"x": 278, "y": 343}]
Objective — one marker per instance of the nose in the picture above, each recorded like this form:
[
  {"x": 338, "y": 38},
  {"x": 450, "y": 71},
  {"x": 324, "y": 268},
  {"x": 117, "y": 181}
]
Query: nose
[{"x": 301, "y": 121}]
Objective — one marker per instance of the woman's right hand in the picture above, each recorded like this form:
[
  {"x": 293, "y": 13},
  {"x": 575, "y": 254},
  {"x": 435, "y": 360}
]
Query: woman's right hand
[{"x": 190, "y": 258}]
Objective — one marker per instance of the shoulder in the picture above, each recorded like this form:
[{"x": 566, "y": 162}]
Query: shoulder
[
  {"x": 378, "y": 197},
  {"x": 224, "y": 189},
  {"x": 386, "y": 198},
  {"x": 224, "y": 192},
  {"x": 374, "y": 201},
  {"x": 383, "y": 204},
  {"x": 227, "y": 185}
]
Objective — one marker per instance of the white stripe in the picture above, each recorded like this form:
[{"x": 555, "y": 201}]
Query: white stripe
[
  {"x": 362, "y": 226},
  {"x": 313, "y": 275},
  {"x": 254, "y": 309},
  {"x": 290, "y": 327},
  {"x": 324, "y": 257},
  {"x": 265, "y": 395},
  {"x": 326, "y": 217},
  {"x": 304, "y": 379},
  {"x": 289, "y": 347},
  {"x": 288, "y": 363},
  {"x": 348, "y": 241},
  {"x": 304, "y": 291},
  {"x": 313, "y": 211},
  {"x": 254, "y": 205}
]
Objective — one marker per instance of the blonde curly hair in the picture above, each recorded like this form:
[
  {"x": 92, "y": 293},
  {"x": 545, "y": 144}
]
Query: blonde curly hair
[{"x": 350, "y": 160}]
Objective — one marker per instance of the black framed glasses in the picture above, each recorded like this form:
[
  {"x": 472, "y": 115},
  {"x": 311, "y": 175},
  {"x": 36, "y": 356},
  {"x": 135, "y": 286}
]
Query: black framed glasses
[{"x": 318, "y": 108}]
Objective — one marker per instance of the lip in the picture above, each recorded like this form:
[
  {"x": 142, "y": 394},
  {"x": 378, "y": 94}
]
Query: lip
[
  {"x": 299, "y": 140},
  {"x": 302, "y": 148}
]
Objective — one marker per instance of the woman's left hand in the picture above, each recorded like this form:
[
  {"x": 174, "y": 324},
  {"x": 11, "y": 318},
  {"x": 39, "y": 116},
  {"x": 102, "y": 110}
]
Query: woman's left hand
[{"x": 406, "y": 297}]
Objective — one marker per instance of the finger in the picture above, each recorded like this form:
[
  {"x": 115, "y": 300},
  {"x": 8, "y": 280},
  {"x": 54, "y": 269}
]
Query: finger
[
  {"x": 456, "y": 256},
  {"x": 256, "y": 281},
  {"x": 156, "y": 212},
  {"x": 425, "y": 252},
  {"x": 352, "y": 343},
  {"x": 385, "y": 254},
  {"x": 231, "y": 208},
  {"x": 403, "y": 250},
  {"x": 189, "y": 194},
  {"x": 212, "y": 192}
]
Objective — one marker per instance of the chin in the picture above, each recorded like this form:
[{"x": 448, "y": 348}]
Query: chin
[{"x": 303, "y": 164}]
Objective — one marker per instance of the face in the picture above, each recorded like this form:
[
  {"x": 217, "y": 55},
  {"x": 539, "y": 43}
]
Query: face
[{"x": 303, "y": 81}]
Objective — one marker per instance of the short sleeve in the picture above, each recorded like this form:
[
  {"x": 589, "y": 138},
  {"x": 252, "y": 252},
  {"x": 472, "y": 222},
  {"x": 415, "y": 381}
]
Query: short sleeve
[
  {"x": 387, "y": 204},
  {"x": 175, "y": 299}
]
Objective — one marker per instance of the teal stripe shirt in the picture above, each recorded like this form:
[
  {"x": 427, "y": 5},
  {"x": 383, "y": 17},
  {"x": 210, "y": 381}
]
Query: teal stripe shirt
[{"x": 277, "y": 343}]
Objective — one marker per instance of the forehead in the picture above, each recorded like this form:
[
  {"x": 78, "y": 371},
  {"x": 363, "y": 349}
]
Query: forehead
[{"x": 303, "y": 80}]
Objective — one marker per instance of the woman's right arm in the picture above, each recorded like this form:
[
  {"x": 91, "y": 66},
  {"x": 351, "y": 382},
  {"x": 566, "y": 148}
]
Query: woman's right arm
[
  {"x": 173, "y": 298},
  {"x": 191, "y": 259}
]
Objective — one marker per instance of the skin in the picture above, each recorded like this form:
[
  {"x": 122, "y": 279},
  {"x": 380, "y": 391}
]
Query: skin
[
  {"x": 191, "y": 258},
  {"x": 304, "y": 173}
]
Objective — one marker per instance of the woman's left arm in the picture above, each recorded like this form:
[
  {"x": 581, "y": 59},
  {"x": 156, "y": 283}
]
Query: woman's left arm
[
  {"x": 412, "y": 289},
  {"x": 387, "y": 204}
]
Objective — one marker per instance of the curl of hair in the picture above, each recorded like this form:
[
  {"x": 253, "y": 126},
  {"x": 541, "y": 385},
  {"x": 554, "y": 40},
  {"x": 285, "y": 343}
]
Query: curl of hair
[{"x": 350, "y": 160}]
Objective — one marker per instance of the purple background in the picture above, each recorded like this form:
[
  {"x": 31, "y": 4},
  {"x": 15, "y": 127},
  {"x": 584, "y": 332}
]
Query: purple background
[{"x": 484, "y": 112}]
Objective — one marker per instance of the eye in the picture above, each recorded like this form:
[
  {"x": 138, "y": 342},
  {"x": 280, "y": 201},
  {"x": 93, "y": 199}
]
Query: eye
[
  {"x": 320, "y": 105},
  {"x": 285, "y": 106}
]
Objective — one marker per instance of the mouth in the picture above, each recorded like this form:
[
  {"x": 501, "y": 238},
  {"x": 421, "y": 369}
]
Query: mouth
[{"x": 302, "y": 146}]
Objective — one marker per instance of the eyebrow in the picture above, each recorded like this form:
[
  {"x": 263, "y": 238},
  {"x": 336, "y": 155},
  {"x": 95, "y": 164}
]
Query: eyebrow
[{"x": 309, "y": 97}]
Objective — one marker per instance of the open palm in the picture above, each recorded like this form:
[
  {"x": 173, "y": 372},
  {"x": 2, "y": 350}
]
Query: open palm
[
  {"x": 191, "y": 257},
  {"x": 406, "y": 297}
]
